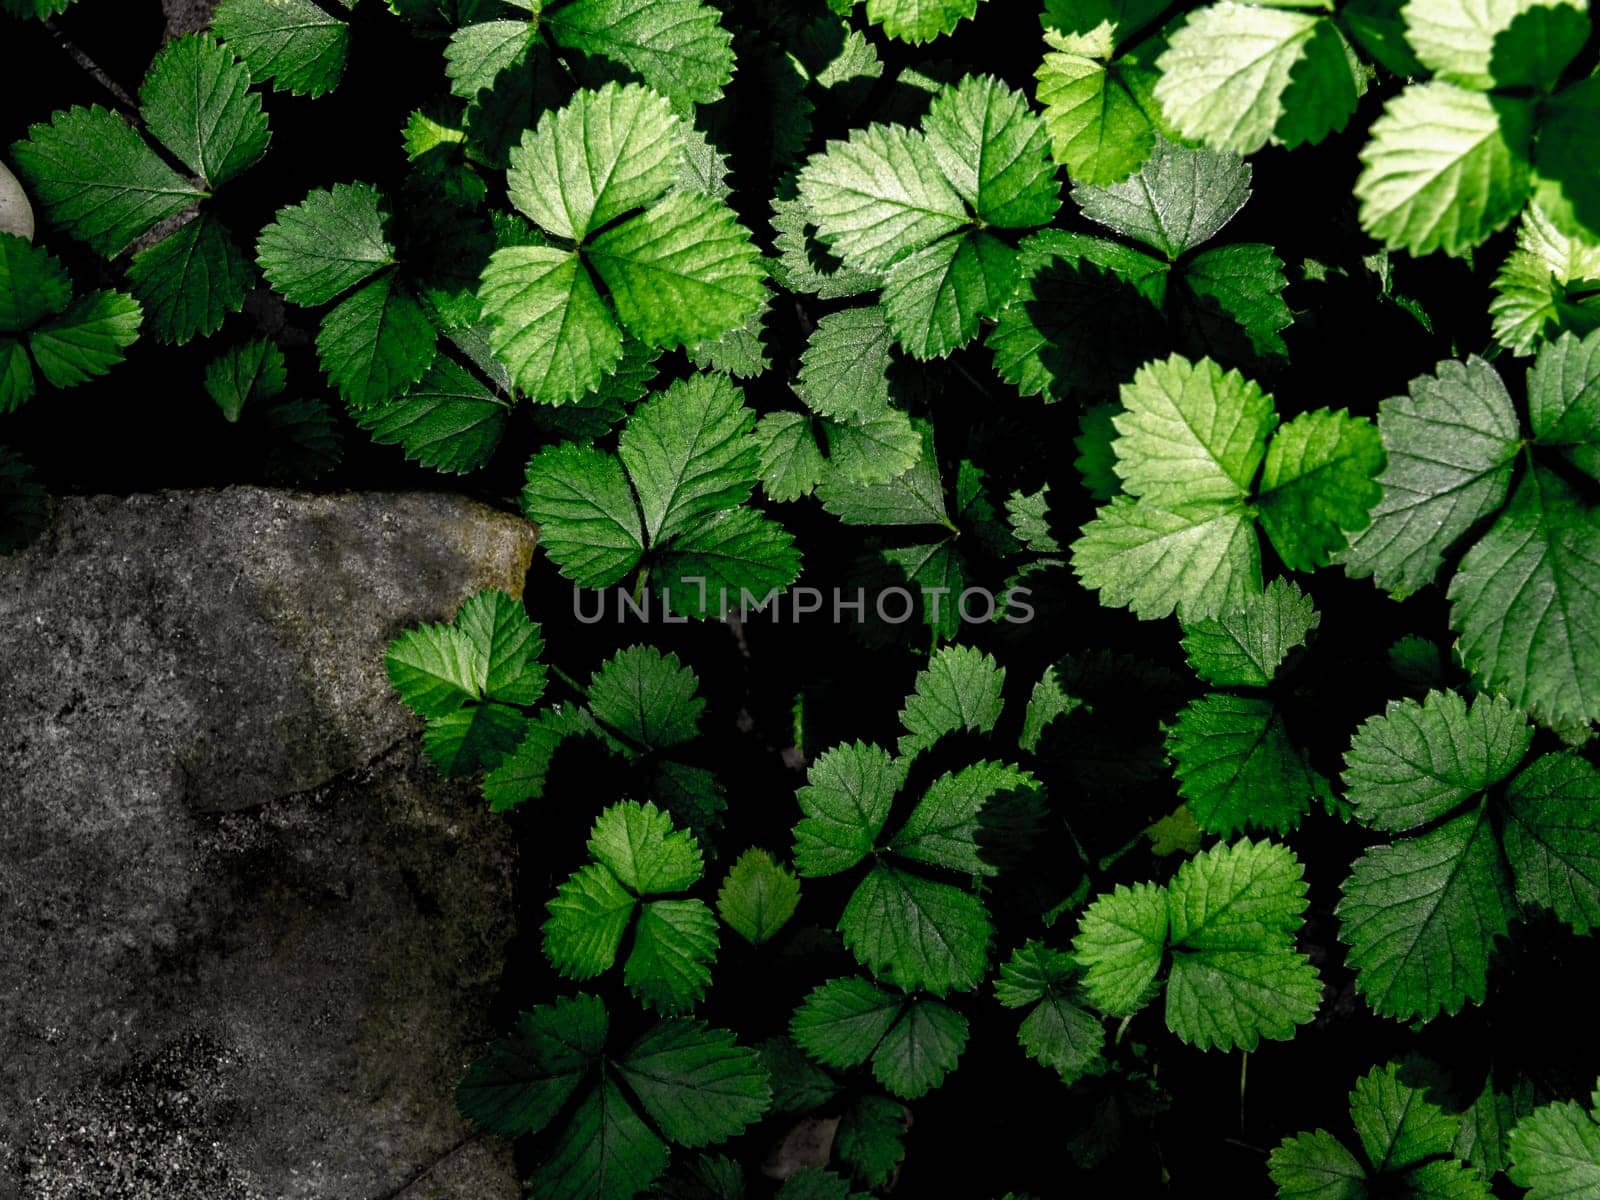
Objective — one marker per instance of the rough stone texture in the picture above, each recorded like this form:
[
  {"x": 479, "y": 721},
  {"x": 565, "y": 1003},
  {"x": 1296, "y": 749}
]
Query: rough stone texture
[
  {"x": 248, "y": 938},
  {"x": 187, "y": 16}
]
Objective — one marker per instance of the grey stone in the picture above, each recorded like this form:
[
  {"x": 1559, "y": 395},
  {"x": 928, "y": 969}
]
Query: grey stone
[
  {"x": 248, "y": 939},
  {"x": 187, "y": 16}
]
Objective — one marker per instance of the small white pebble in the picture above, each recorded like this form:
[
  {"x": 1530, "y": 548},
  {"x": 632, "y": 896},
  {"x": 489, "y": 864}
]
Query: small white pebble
[{"x": 16, "y": 214}]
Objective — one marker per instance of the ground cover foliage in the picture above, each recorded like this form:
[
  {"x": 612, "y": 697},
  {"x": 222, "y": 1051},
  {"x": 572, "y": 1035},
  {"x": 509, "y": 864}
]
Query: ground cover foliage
[{"x": 1247, "y": 355}]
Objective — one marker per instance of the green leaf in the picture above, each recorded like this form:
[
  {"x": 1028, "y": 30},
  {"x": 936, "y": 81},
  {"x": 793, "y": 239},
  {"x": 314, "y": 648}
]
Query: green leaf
[
  {"x": 606, "y": 1152},
  {"x": 842, "y": 1022},
  {"x": 1314, "y": 1166},
  {"x": 1564, "y": 399},
  {"x": 678, "y": 47},
  {"x": 696, "y": 1083},
  {"x": 297, "y": 44},
  {"x": 254, "y": 371},
  {"x": 95, "y": 176},
  {"x": 1444, "y": 168},
  {"x": 1318, "y": 485},
  {"x": 844, "y": 371},
  {"x": 547, "y": 322},
  {"x": 1449, "y": 445},
  {"x": 681, "y": 272},
  {"x": 1237, "y": 289},
  {"x": 803, "y": 265},
  {"x": 450, "y": 420},
  {"x": 1153, "y": 559},
  {"x": 1421, "y": 916},
  {"x": 689, "y": 454},
  {"x": 489, "y": 652},
  {"x": 935, "y": 297},
  {"x": 1546, "y": 285},
  {"x": 758, "y": 896},
  {"x": 1048, "y": 700},
  {"x": 879, "y": 196},
  {"x": 604, "y": 155},
  {"x": 33, "y": 285},
  {"x": 1190, "y": 432},
  {"x": 791, "y": 464},
  {"x": 958, "y": 689},
  {"x": 920, "y": 1049},
  {"x": 647, "y": 697},
  {"x": 87, "y": 340},
  {"x": 1552, "y": 838},
  {"x": 588, "y": 520},
  {"x": 917, "y": 932},
  {"x": 871, "y": 1139},
  {"x": 325, "y": 245},
  {"x": 196, "y": 100},
  {"x": 1095, "y": 110},
  {"x": 1057, "y": 1032},
  {"x": 674, "y": 945},
  {"x": 1526, "y": 602},
  {"x": 190, "y": 280},
  {"x": 523, "y": 1081},
  {"x": 994, "y": 151},
  {"x": 376, "y": 343},
  {"x": 1477, "y": 48},
  {"x": 1028, "y": 514},
  {"x": 849, "y": 791},
  {"x": 943, "y": 829},
  {"x": 734, "y": 558},
  {"x": 589, "y": 914},
  {"x": 1237, "y": 76},
  {"x": 1237, "y": 768},
  {"x": 914, "y": 497},
  {"x": 879, "y": 449},
  {"x": 16, "y": 375},
  {"x": 478, "y": 53},
  {"x": 918, "y": 21},
  {"x": 1419, "y": 761},
  {"x": 1555, "y": 1152},
  {"x": 637, "y": 844},
  {"x": 1121, "y": 938},
  {"x": 1245, "y": 646},
  {"x": 1178, "y": 199},
  {"x": 1566, "y": 158},
  {"x": 1398, "y": 1126}
]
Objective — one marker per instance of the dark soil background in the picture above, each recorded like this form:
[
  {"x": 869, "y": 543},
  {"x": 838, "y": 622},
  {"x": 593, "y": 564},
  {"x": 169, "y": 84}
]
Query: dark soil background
[{"x": 1000, "y": 1120}]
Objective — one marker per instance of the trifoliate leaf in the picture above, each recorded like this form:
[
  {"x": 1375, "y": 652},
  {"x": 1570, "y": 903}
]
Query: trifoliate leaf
[
  {"x": 190, "y": 280},
  {"x": 791, "y": 463},
  {"x": 1552, "y": 838},
  {"x": 1245, "y": 646},
  {"x": 1564, "y": 399},
  {"x": 196, "y": 100},
  {"x": 849, "y": 791},
  {"x": 606, "y": 1152},
  {"x": 490, "y": 651},
  {"x": 880, "y": 196},
  {"x": 1121, "y": 938},
  {"x": 589, "y": 914},
  {"x": 95, "y": 176},
  {"x": 87, "y": 340},
  {"x": 844, "y": 371},
  {"x": 547, "y": 322},
  {"x": 918, "y": 932},
  {"x": 1178, "y": 199},
  {"x": 637, "y": 844},
  {"x": 1057, "y": 1032},
  {"x": 758, "y": 896},
  {"x": 943, "y": 829},
  {"x": 450, "y": 420},
  {"x": 1476, "y": 48},
  {"x": 647, "y": 697},
  {"x": 1237, "y": 768},
  {"x": 678, "y": 47},
  {"x": 33, "y": 285},
  {"x": 1152, "y": 558},
  {"x": 1419, "y": 761},
  {"x": 297, "y": 44},
  {"x": 1555, "y": 1152},
  {"x": 1547, "y": 285},
  {"x": 588, "y": 520},
  {"x": 920, "y": 1049},
  {"x": 674, "y": 945},
  {"x": 993, "y": 150},
  {"x": 376, "y": 343},
  {"x": 1098, "y": 112},
  {"x": 523, "y": 1081},
  {"x": 1190, "y": 432},
  {"x": 682, "y": 272},
  {"x": 959, "y": 689},
  {"x": 1421, "y": 916},
  {"x": 696, "y": 1083},
  {"x": 239, "y": 375},
  {"x": 1526, "y": 602},
  {"x": 1450, "y": 446},
  {"x": 842, "y": 1022},
  {"x": 323, "y": 246},
  {"x": 1444, "y": 168},
  {"x": 1318, "y": 484},
  {"x": 918, "y": 21},
  {"x": 1237, "y": 76},
  {"x": 605, "y": 154}
]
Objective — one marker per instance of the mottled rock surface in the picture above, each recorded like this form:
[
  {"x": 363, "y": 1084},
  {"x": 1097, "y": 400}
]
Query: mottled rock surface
[{"x": 248, "y": 939}]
